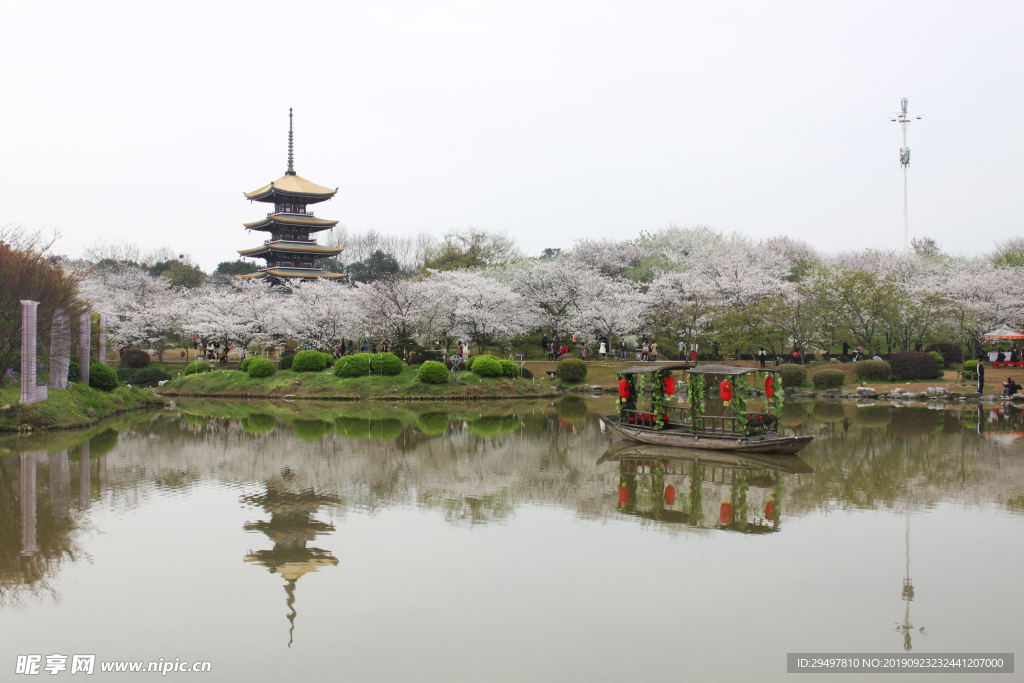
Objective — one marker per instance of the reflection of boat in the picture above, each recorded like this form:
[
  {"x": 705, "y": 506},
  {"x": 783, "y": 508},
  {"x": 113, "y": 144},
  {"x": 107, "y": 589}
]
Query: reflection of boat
[
  {"x": 709, "y": 490},
  {"x": 692, "y": 427},
  {"x": 624, "y": 450}
]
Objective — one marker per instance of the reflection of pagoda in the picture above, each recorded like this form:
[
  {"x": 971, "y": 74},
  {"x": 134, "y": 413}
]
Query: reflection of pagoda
[
  {"x": 291, "y": 252},
  {"x": 907, "y": 595},
  {"x": 291, "y": 527}
]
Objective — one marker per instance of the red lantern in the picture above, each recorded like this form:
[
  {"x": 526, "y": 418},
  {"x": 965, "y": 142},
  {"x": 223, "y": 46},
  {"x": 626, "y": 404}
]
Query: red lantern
[
  {"x": 623, "y": 388},
  {"x": 769, "y": 510},
  {"x": 726, "y": 513},
  {"x": 670, "y": 385},
  {"x": 769, "y": 386},
  {"x": 726, "y": 388},
  {"x": 623, "y": 496},
  {"x": 670, "y": 494}
]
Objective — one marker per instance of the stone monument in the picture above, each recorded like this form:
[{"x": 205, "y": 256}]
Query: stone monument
[
  {"x": 84, "y": 346},
  {"x": 30, "y": 393},
  {"x": 60, "y": 349}
]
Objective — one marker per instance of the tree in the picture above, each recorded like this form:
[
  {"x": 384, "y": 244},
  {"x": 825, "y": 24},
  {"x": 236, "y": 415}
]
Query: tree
[
  {"x": 378, "y": 266},
  {"x": 483, "y": 310},
  {"x": 322, "y": 312},
  {"x": 471, "y": 248},
  {"x": 561, "y": 290},
  {"x": 28, "y": 272},
  {"x": 238, "y": 267},
  {"x": 392, "y": 307}
]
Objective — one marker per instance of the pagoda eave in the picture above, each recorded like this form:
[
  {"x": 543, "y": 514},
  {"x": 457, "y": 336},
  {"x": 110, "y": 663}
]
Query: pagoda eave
[
  {"x": 286, "y": 248},
  {"x": 277, "y": 223},
  {"x": 293, "y": 274}
]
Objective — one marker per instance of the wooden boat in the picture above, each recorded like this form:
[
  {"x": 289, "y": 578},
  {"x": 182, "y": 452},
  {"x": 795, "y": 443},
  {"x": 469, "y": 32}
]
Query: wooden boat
[{"x": 691, "y": 427}]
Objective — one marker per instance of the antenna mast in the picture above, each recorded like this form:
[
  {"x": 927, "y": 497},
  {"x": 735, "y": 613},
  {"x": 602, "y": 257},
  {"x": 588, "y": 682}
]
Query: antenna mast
[{"x": 904, "y": 120}]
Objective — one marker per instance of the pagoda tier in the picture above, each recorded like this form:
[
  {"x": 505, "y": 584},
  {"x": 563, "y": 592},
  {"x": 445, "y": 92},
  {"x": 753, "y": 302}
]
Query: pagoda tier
[
  {"x": 291, "y": 224},
  {"x": 291, "y": 252}
]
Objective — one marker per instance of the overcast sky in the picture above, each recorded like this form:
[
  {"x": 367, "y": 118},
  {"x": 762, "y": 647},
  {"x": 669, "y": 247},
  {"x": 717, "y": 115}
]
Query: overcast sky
[{"x": 550, "y": 120}]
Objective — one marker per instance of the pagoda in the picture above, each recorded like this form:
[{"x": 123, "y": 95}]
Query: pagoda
[{"x": 292, "y": 251}]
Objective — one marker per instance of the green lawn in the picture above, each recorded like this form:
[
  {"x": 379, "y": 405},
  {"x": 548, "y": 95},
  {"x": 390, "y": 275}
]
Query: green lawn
[{"x": 79, "y": 406}]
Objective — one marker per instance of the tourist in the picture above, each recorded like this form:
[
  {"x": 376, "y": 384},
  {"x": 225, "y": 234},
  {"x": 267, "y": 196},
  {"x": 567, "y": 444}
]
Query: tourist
[
  {"x": 195, "y": 342},
  {"x": 1014, "y": 354},
  {"x": 693, "y": 352},
  {"x": 918, "y": 346},
  {"x": 762, "y": 356},
  {"x": 365, "y": 347},
  {"x": 458, "y": 350},
  {"x": 1000, "y": 357},
  {"x": 654, "y": 351},
  {"x": 544, "y": 342},
  {"x": 210, "y": 353},
  {"x": 337, "y": 351},
  {"x": 1010, "y": 387},
  {"x": 981, "y": 376},
  {"x": 602, "y": 351},
  {"x": 622, "y": 349},
  {"x": 644, "y": 338},
  {"x": 120, "y": 351},
  {"x": 645, "y": 350},
  {"x": 583, "y": 350}
]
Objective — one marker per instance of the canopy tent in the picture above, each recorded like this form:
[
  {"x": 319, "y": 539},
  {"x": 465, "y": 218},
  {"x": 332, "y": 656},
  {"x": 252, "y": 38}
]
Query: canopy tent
[{"x": 1002, "y": 333}]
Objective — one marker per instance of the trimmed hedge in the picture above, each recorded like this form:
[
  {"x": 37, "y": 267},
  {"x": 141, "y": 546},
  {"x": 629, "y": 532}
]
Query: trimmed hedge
[
  {"x": 135, "y": 358},
  {"x": 193, "y": 368},
  {"x": 952, "y": 354},
  {"x": 938, "y": 358},
  {"x": 357, "y": 365},
  {"x": 914, "y": 365},
  {"x": 309, "y": 361},
  {"x": 877, "y": 370},
  {"x": 286, "y": 361},
  {"x": 419, "y": 358},
  {"x": 73, "y": 369},
  {"x": 102, "y": 377},
  {"x": 260, "y": 367},
  {"x": 571, "y": 370},
  {"x": 792, "y": 375},
  {"x": 385, "y": 364},
  {"x": 244, "y": 365},
  {"x": 971, "y": 369},
  {"x": 433, "y": 372},
  {"x": 510, "y": 368},
  {"x": 828, "y": 379},
  {"x": 146, "y": 377},
  {"x": 487, "y": 366},
  {"x": 468, "y": 361}
]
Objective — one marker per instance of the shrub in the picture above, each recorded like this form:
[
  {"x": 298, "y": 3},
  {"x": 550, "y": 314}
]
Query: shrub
[
  {"x": 328, "y": 359},
  {"x": 571, "y": 370},
  {"x": 877, "y": 370},
  {"x": 952, "y": 354},
  {"x": 970, "y": 369},
  {"x": 308, "y": 361},
  {"x": 828, "y": 379},
  {"x": 146, "y": 377},
  {"x": 357, "y": 365},
  {"x": 102, "y": 377},
  {"x": 509, "y": 368},
  {"x": 913, "y": 365},
  {"x": 193, "y": 368},
  {"x": 469, "y": 360},
  {"x": 487, "y": 366},
  {"x": 260, "y": 367},
  {"x": 183, "y": 354},
  {"x": 135, "y": 358},
  {"x": 938, "y": 358},
  {"x": 844, "y": 359},
  {"x": 432, "y": 372},
  {"x": 244, "y": 365},
  {"x": 287, "y": 352},
  {"x": 73, "y": 370},
  {"x": 385, "y": 364},
  {"x": 418, "y": 358},
  {"x": 286, "y": 361},
  {"x": 792, "y": 375}
]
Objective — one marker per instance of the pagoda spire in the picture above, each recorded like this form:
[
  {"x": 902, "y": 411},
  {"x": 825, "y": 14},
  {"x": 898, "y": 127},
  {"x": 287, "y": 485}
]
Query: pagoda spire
[{"x": 291, "y": 154}]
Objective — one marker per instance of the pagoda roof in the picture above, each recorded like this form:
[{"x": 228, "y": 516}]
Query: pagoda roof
[
  {"x": 292, "y": 273},
  {"x": 292, "y": 247},
  {"x": 291, "y": 220},
  {"x": 291, "y": 185}
]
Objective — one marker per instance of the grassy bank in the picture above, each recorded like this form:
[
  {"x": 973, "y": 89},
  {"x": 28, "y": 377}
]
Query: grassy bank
[
  {"x": 324, "y": 385},
  {"x": 79, "y": 406}
]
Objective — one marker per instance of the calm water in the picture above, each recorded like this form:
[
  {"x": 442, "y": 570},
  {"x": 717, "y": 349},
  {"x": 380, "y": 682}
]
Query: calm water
[{"x": 287, "y": 541}]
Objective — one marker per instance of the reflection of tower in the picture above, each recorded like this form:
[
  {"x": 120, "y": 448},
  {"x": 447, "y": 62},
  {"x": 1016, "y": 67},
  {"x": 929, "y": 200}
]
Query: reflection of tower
[
  {"x": 60, "y": 486},
  {"x": 907, "y": 596},
  {"x": 291, "y": 527},
  {"x": 29, "y": 545}
]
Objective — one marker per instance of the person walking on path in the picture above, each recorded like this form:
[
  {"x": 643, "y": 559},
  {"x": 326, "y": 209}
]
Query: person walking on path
[
  {"x": 693, "y": 351},
  {"x": 644, "y": 350},
  {"x": 654, "y": 351},
  {"x": 761, "y": 357},
  {"x": 622, "y": 349},
  {"x": 602, "y": 351},
  {"x": 544, "y": 343},
  {"x": 583, "y": 350},
  {"x": 981, "y": 376},
  {"x": 195, "y": 342}
]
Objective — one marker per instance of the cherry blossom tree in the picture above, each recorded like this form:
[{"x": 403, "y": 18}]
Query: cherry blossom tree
[{"x": 482, "y": 309}]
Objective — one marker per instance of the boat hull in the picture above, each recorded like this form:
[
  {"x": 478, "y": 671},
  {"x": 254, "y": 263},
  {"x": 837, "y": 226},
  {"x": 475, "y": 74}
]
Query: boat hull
[{"x": 783, "y": 445}]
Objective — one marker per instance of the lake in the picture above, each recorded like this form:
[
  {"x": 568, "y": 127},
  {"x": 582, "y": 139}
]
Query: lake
[{"x": 506, "y": 542}]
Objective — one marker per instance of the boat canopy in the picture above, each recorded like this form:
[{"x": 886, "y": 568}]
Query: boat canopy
[
  {"x": 725, "y": 370},
  {"x": 647, "y": 369}
]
